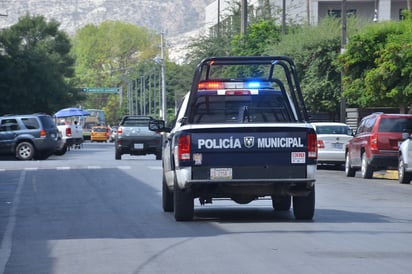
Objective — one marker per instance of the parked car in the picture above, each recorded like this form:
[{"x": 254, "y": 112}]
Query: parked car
[
  {"x": 113, "y": 132},
  {"x": 405, "y": 159},
  {"x": 99, "y": 134},
  {"x": 332, "y": 140},
  {"x": 30, "y": 136},
  {"x": 134, "y": 137},
  {"x": 376, "y": 143}
]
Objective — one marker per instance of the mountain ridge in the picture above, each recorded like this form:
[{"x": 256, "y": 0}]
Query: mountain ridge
[{"x": 179, "y": 19}]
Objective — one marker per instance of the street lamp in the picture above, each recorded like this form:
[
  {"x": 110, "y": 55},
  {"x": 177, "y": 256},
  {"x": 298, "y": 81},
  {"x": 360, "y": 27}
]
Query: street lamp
[
  {"x": 161, "y": 60},
  {"x": 343, "y": 44}
]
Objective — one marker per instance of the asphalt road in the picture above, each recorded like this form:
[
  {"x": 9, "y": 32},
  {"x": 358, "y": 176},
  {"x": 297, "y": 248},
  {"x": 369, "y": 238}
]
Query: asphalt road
[{"x": 85, "y": 212}]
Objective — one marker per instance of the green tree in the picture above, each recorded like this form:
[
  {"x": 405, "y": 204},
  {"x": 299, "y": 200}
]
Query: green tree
[
  {"x": 106, "y": 54},
  {"x": 314, "y": 50},
  {"x": 36, "y": 67},
  {"x": 377, "y": 64},
  {"x": 258, "y": 37}
]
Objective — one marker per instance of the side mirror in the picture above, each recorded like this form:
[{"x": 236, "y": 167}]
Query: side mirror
[{"x": 158, "y": 126}]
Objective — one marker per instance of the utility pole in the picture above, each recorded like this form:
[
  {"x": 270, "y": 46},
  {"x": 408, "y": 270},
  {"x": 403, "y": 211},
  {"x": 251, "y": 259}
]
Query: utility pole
[
  {"x": 284, "y": 17},
  {"x": 163, "y": 113},
  {"x": 343, "y": 45},
  {"x": 243, "y": 15}
]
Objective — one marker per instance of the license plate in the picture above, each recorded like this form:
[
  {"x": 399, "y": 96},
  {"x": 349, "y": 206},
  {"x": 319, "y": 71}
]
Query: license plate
[
  {"x": 220, "y": 173},
  {"x": 138, "y": 146},
  {"x": 337, "y": 145}
]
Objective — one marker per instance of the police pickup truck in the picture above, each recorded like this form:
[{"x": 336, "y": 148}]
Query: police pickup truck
[{"x": 242, "y": 132}]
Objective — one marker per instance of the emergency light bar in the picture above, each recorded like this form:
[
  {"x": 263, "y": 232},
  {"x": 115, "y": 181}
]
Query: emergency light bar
[{"x": 216, "y": 85}]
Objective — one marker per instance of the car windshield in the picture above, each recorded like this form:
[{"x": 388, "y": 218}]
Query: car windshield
[
  {"x": 395, "y": 124},
  {"x": 136, "y": 123},
  {"x": 241, "y": 109},
  {"x": 333, "y": 129},
  {"x": 99, "y": 129}
]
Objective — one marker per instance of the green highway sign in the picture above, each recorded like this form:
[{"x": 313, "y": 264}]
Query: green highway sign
[{"x": 100, "y": 90}]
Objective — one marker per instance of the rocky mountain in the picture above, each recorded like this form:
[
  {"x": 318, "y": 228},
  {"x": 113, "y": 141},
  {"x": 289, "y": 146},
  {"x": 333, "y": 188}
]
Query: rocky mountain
[{"x": 177, "y": 18}]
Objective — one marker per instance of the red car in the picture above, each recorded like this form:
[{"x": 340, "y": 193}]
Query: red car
[{"x": 375, "y": 144}]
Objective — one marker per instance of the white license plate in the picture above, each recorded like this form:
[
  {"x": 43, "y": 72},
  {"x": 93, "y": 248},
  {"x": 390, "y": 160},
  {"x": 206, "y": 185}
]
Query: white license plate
[
  {"x": 337, "y": 145},
  {"x": 138, "y": 146},
  {"x": 220, "y": 173}
]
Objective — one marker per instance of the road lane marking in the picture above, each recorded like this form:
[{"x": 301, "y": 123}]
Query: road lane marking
[
  {"x": 63, "y": 168},
  {"x": 6, "y": 242},
  {"x": 94, "y": 167},
  {"x": 124, "y": 167}
]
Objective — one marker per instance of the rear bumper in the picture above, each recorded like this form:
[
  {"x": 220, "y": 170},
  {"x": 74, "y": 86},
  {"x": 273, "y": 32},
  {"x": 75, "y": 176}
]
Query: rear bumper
[
  {"x": 73, "y": 141},
  {"x": 250, "y": 186},
  {"x": 138, "y": 146},
  {"x": 384, "y": 161}
]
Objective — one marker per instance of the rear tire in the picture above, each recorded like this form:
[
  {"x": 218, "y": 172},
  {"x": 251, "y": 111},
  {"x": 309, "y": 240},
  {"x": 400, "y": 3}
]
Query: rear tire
[
  {"x": 159, "y": 155},
  {"x": 183, "y": 204},
  {"x": 349, "y": 170},
  {"x": 61, "y": 151},
  {"x": 404, "y": 177},
  {"x": 167, "y": 197},
  {"x": 24, "y": 151},
  {"x": 281, "y": 203},
  {"x": 118, "y": 155},
  {"x": 304, "y": 206},
  {"x": 366, "y": 169}
]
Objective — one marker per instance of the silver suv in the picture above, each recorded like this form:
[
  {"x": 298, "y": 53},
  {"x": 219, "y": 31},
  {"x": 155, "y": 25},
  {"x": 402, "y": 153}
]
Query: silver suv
[{"x": 29, "y": 136}]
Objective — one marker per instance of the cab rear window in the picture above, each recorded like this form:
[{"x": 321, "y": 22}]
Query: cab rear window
[{"x": 262, "y": 108}]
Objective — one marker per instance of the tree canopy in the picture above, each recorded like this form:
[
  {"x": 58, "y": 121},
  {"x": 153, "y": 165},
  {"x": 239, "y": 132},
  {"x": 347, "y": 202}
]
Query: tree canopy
[
  {"x": 35, "y": 67},
  {"x": 378, "y": 66}
]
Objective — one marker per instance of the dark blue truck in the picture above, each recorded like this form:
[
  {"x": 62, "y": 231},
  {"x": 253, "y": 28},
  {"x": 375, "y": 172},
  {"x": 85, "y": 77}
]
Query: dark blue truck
[{"x": 241, "y": 132}]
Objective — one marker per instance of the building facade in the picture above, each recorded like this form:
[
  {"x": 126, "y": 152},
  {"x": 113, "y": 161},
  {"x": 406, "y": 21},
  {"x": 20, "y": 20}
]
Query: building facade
[{"x": 309, "y": 11}]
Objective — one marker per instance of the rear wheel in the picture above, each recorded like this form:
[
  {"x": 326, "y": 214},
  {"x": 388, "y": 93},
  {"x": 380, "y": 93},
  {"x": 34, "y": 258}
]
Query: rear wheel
[
  {"x": 183, "y": 204},
  {"x": 158, "y": 155},
  {"x": 24, "y": 151},
  {"x": 349, "y": 170},
  {"x": 281, "y": 203},
  {"x": 404, "y": 177},
  {"x": 366, "y": 168},
  {"x": 61, "y": 151},
  {"x": 167, "y": 197},
  {"x": 118, "y": 155},
  {"x": 304, "y": 206}
]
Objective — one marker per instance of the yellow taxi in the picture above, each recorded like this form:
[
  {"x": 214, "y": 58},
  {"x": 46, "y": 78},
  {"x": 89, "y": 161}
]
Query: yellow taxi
[{"x": 99, "y": 134}]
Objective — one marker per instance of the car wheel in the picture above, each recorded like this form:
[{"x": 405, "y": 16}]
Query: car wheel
[
  {"x": 167, "y": 197},
  {"x": 304, "y": 206},
  {"x": 118, "y": 155},
  {"x": 183, "y": 203},
  {"x": 403, "y": 176},
  {"x": 158, "y": 155},
  {"x": 61, "y": 151},
  {"x": 349, "y": 170},
  {"x": 366, "y": 169},
  {"x": 24, "y": 151},
  {"x": 281, "y": 203}
]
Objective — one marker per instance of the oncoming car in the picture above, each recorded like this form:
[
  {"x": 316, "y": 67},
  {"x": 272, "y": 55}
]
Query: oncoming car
[
  {"x": 332, "y": 140},
  {"x": 99, "y": 134}
]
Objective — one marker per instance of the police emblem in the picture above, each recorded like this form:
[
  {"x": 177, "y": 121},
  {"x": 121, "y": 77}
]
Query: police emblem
[{"x": 249, "y": 141}]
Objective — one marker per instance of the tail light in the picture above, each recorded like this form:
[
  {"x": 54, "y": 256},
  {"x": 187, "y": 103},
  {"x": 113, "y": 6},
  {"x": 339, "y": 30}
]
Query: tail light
[
  {"x": 312, "y": 145},
  {"x": 43, "y": 133},
  {"x": 68, "y": 132},
  {"x": 321, "y": 144},
  {"x": 119, "y": 131},
  {"x": 183, "y": 149},
  {"x": 373, "y": 142}
]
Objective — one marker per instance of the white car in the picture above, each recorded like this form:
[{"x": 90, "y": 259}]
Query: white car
[
  {"x": 332, "y": 139},
  {"x": 405, "y": 160}
]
